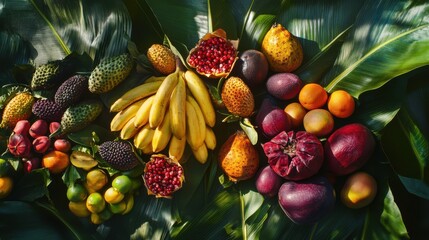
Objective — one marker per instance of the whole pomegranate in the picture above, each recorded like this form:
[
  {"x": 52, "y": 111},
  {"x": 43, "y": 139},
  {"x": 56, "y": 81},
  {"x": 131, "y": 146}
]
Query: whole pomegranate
[
  {"x": 214, "y": 55},
  {"x": 163, "y": 176},
  {"x": 271, "y": 119},
  {"x": 238, "y": 158},
  {"x": 294, "y": 155},
  {"x": 19, "y": 145}
]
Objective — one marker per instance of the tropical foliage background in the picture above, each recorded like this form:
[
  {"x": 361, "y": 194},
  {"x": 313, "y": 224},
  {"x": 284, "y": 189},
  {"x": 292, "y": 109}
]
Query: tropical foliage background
[{"x": 376, "y": 49}]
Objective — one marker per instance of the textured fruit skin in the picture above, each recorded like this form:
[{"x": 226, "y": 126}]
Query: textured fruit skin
[
  {"x": 271, "y": 120},
  {"x": 162, "y": 58},
  {"x": 18, "y": 108},
  {"x": 109, "y": 73},
  {"x": 71, "y": 90},
  {"x": 294, "y": 155},
  {"x": 253, "y": 67},
  {"x": 238, "y": 97},
  {"x": 306, "y": 202},
  {"x": 79, "y": 116},
  {"x": 119, "y": 154},
  {"x": 268, "y": 182},
  {"x": 48, "y": 110},
  {"x": 348, "y": 148},
  {"x": 238, "y": 158},
  {"x": 284, "y": 86},
  {"x": 283, "y": 50}
]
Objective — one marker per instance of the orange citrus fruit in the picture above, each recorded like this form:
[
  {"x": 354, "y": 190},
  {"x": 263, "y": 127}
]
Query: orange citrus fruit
[
  {"x": 341, "y": 104},
  {"x": 296, "y": 113},
  {"x": 6, "y": 185},
  {"x": 318, "y": 122},
  {"x": 312, "y": 96},
  {"x": 56, "y": 161}
]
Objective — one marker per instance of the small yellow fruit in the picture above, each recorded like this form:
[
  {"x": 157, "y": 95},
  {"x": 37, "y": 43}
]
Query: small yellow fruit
[
  {"x": 96, "y": 179},
  {"x": 6, "y": 185},
  {"x": 95, "y": 202},
  {"x": 359, "y": 190},
  {"x": 79, "y": 209},
  {"x": 112, "y": 195}
]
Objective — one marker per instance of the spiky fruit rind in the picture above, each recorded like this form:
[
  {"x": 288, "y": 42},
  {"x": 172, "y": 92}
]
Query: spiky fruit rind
[
  {"x": 44, "y": 75},
  {"x": 118, "y": 154},
  {"x": 109, "y": 73},
  {"x": 237, "y": 97},
  {"x": 162, "y": 58},
  {"x": 71, "y": 90},
  {"x": 79, "y": 116},
  {"x": 48, "y": 110},
  {"x": 283, "y": 50},
  {"x": 238, "y": 158},
  {"x": 18, "y": 108}
]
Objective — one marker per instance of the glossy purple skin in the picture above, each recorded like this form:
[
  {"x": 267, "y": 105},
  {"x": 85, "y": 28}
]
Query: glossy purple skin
[
  {"x": 271, "y": 120},
  {"x": 306, "y": 202},
  {"x": 348, "y": 148},
  {"x": 254, "y": 67},
  {"x": 268, "y": 182},
  {"x": 284, "y": 86},
  {"x": 294, "y": 155}
]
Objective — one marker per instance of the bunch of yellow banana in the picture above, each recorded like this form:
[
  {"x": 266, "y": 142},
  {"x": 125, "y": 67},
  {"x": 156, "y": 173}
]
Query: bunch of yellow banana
[{"x": 166, "y": 113}]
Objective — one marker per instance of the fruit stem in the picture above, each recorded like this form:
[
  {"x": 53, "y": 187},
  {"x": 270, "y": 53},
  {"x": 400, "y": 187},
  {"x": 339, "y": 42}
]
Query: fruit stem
[{"x": 243, "y": 220}]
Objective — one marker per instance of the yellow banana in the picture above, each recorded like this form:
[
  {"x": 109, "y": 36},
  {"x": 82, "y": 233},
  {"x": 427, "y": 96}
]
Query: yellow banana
[
  {"x": 154, "y": 79},
  {"x": 162, "y": 97},
  {"x": 129, "y": 130},
  {"x": 122, "y": 117},
  {"x": 162, "y": 135},
  {"x": 177, "y": 147},
  {"x": 210, "y": 139},
  {"x": 201, "y": 154},
  {"x": 200, "y": 116},
  {"x": 142, "y": 115},
  {"x": 193, "y": 134},
  {"x": 143, "y": 137},
  {"x": 177, "y": 109},
  {"x": 147, "y": 149},
  {"x": 129, "y": 199},
  {"x": 201, "y": 93},
  {"x": 142, "y": 91}
]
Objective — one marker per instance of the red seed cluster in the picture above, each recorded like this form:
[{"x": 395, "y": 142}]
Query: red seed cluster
[
  {"x": 213, "y": 56},
  {"x": 162, "y": 177}
]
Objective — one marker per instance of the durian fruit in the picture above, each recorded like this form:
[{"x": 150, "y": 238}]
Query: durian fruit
[
  {"x": 78, "y": 116},
  {"x": 71, "y": 91},
  {"x": 162, "y": 58},
  {"x": 18, "y": 108},
  {"x": 109, "y": 73},
  {"x": 118, "y": 154},
  {"x": 48, "y": 110}
]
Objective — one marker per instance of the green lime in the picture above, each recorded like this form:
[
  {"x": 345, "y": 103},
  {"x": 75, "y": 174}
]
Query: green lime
[
  {"x": 76, "y": 192},
  {"x": 4, "y": 167},
  {"x": 95, "y": 202},
  {"x": 118, "y": 208},
  {"x": 122, "y": 183},
  {"x": 112, "y": 195},
  {"x": 79, "y": 209}
]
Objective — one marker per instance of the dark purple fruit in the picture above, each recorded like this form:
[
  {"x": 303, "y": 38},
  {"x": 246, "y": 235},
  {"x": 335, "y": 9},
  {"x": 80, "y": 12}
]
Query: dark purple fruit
[
  {"x": 268, "y": 182},
  {"x": 253, "y": 67},
  {"x": 284, "y": 86},
  {"x": 271, "y": 119},
  {"x": 294, "y": 155},
  {"x": 348, "y": 148},
  {"x": 307, "y": 201}
]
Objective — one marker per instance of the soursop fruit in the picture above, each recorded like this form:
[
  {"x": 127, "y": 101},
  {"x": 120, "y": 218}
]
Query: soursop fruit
[
  {"x": 18, "y": 108},
  {"x": 109, "y": 73},
  {"x": 52, "y": 74},
  {"x": 48, "y": 110},
  {"x": 72, "y": 90},
  {"x": 118, "y": 154},
  {"x": 78, "y": 116}
]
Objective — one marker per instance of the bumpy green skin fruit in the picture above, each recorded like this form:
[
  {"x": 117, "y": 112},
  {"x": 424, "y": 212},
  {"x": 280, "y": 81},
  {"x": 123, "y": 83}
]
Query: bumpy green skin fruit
[
  {"x": 53, "y": 73},
  {"x": 18, "y": 108},
  {"x": 79, "y": 116},
  {"x": 109, "y": 73}
]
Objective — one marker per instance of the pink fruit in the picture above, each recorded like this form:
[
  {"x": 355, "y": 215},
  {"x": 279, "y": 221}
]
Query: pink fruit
[
  {"x": 268, "y": 182},
  {"x": 271, "y": 120},
  {"x": 284, "y": 86},
  {"x": 62, "y": 145},
  {"x": 348, "y": 148},
  {"x": 22, "y": 127},
  {"x": 31, "y": 164},
  {"x": 19, "y": 145},
  {"x": 53, "y": 126},
  {"x": 41, "y": 144},
  {"x": 294, "y": 155},
  {"x": 39, "y": 128}
]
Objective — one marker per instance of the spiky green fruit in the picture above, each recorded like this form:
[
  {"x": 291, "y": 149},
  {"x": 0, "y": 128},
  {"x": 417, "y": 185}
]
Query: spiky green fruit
[
  {"x": 53, "y": 73},
  {"x": 78, "y": 117},
  {"x": 72, "y": 90},
  {"x": 18, "y": 108},
  {"x": 109, "y": 73}
]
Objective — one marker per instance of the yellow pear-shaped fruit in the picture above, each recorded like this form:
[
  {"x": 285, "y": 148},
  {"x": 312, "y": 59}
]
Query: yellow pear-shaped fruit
[{"x": 282, "y": 49}]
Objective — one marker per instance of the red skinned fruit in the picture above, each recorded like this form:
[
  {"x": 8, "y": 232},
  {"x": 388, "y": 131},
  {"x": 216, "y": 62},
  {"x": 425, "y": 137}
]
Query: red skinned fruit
[
  {"x": 22, "y": 127},
  {"x": 348, "y": 148},
  {"x": 271, "y": 120},
  {"x": 268, "y": 182},
  {"x": 39, "y": 128},
  {"x": 19, "y": 145},
  {"x": 31, "y": 163},
  {"x": 294, "y": 155},
  {"x": 41, "y": 144},
  {"x": 62, "y": 145},
  {"x": 284, "y": 86},
  {"x": 53, "y": 127}
]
